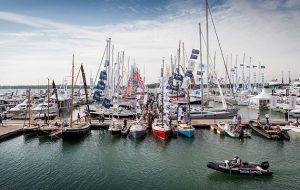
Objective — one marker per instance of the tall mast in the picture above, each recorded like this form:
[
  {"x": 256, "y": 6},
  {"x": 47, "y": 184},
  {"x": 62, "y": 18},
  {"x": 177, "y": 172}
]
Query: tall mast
[
  {"x": 258, "y": 81},
  {"x": 109, "y": 66},
  {"x": 72, "y": 94},
  {"x": 226, "y": 73},
  {"x": 236, "y": 73},
  {"x": 183, "y": 50},
  {"x": 178, "y": 67},
  {"x": 144, "y": 75},
  {"x": 244, "y": 72},
  {"x": 122, "y": 69},
  {"x": 29, "y": 104},
  {"x": 48, "y": 102},
  {"x": 201, "y": 66},
  {"x": 207, "y": 46},
  {"x": 230, "y": 87},
  {"x": 162, "y": 90},
  {"x": 215, "y": 62},
  {"x": 250, "y": 75},
  {"x": 112, "y": 72}
]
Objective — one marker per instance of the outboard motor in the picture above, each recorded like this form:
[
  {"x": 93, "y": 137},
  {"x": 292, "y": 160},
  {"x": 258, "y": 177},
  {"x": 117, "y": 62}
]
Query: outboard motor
[{"x": 265, "y": 165}]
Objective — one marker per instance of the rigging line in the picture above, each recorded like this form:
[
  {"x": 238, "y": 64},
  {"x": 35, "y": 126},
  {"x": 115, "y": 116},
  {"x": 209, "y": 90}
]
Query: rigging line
[
  {"x": 100, "y": 66},
  {"x": 221, "y": 51}
]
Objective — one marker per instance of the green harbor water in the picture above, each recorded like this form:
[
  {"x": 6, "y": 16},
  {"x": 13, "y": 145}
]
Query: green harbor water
[{"x": 100, "y": 161}]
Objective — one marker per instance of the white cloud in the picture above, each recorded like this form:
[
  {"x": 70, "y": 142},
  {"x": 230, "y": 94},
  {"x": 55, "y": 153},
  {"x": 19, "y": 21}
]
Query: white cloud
[{"x": 268, "y": 35}]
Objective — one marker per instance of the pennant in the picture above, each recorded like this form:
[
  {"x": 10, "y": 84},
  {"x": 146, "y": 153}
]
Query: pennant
[
  {"x": 106, "y": 103},
  {"x": 195, "y": 51}
]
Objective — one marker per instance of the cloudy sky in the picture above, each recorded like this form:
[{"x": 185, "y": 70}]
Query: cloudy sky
[{"x": 38, "y": 38}]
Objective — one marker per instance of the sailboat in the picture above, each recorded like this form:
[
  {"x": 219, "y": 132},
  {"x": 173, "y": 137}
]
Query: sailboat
[
  {"x": 30, "y": 128},
  {"x": 76, "y": 129},
  {"x": 159, "y": 127},
  {"x": 115, "y": 127},
  {"x": 186, "y": 129},
  {"x": 137, "y": 130}
]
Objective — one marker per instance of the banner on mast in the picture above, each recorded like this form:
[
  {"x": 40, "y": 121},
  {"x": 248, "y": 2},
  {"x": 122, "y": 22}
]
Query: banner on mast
[
  {"x": 106, "y": 103},
  {"x": 292, "y": 102},
  {"x": 178, "y": 77}
]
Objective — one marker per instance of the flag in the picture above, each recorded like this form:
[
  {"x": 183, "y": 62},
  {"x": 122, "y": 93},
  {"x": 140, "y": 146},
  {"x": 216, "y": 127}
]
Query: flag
[
  {"x": 103, "y": 75},
  {"x": 292, "y": 102},
  {"x": 191, "y": 65},
  {"x": 100, "y": 85},
  {"x": 201, "y": 66},
  {"x": 145, "y": 99},
  {"x": 97, "y": 95},
  {"x": 188, "y": 73},
  {"x": 198, "y": 78},
  {"x": 195, "y": 51},
  {"x": 248, "y": 67},
  {"x": 242, "y": 65},
  {"x": 178, "y": 77},
  {"x": 106, "y": 64},
  {"x": 173, "y": 87},
  {"x": 68, "y": 103},
  {"x": 254, "y": 66},
  {"x": 193, "y": 56},
  {"x": 106, "y": 103},
  {"x": 263, "y": 67},
  {"x": 273, "y": 101},
  {"x": 197, "y": 93},
  {"x": 200, "y": 73}
]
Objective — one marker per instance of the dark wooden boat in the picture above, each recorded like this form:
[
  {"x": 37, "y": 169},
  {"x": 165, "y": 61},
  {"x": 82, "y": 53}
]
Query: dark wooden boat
[
  {"x": 77, "y": 130},
  {"x": 32, "y": 129},
  {"x": 268, "y": 131},
  {"x": 46, "y": 131}
]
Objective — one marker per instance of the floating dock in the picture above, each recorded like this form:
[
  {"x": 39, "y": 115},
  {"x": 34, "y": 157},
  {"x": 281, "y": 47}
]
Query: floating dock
[{"x": 13, "y": 128}]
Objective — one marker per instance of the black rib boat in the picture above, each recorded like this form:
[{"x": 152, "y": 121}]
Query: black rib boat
[
  {"x": 246, "y": 168},
  {"x": 268, "y": 131}
]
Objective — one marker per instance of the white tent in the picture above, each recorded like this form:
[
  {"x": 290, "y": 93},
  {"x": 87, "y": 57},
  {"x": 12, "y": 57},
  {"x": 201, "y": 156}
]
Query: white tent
[{"x": 260, "y": 101}]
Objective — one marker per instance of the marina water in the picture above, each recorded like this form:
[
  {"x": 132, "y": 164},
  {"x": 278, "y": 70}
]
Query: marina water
[{"x": 100, "y": 161}]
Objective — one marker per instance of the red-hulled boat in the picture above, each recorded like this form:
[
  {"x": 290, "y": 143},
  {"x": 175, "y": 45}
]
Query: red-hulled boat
[{"x": 161, "y": 130}]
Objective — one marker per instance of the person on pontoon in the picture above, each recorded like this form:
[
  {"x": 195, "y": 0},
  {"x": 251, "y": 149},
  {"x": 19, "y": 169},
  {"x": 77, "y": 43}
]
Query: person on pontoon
[{"x": 236, "y": 161}]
